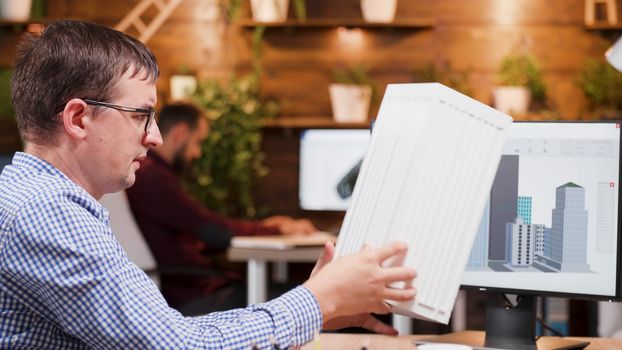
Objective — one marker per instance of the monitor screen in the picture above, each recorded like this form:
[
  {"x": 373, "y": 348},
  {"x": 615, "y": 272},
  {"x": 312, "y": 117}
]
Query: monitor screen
[
  {"x": 329, "y": 164},
  {"x": 551, "y": 225}
]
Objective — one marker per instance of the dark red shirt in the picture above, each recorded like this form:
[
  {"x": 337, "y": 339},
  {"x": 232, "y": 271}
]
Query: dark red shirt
[{"x": 180, "y": 231}]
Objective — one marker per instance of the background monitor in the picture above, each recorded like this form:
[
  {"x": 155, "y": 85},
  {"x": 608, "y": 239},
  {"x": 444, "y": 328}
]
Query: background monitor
[
  {"x": 329, "y": 162},
  {"x": 552, "y": 224},
  {"x": 5, "y": 159}
]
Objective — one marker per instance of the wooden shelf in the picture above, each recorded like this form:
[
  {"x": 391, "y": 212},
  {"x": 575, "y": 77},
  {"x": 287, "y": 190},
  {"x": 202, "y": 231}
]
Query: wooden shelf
[
  {"x": 310, "y": 123},
  {"x": 604, "y": 26},
  {"x": 327, "y": 122},
  {"x": 32, "y": 25},
  {"x": 335, "y": 23}
]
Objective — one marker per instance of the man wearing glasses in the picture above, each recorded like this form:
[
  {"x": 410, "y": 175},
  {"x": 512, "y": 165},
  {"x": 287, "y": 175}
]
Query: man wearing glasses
[
  {"x": 148, "y": 114},
  {"x": 84, "y": 96}
]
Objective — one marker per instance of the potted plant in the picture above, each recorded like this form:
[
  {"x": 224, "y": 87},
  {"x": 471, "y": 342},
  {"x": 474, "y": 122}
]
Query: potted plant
[
  {"x": 15, "y": 10},
  {"x": 443, "y": 74},
  {"x": 231, "y": 160},
  {"x": 521, "y": 82},
  {"x": 378, "y": 10},
  {"x": 351, "y": 94},
  {"x": 276, "y": 10},
  {"x": 602, "y": 86}
]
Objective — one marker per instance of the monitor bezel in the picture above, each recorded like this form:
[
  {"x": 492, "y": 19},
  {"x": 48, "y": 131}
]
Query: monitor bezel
[{"x": 618, "y": 292}]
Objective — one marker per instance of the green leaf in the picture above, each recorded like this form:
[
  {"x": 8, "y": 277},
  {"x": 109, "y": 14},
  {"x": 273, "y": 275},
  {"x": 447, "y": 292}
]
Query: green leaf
[
  {"x": 445, "y": 75},
  {"x": 601, "y": 85},
  {"x": 301, "y": 10},
  {"x": 523, "y": 70},
  {"x": 231, "y": 162},
  {"x": 6, "y": 107}
]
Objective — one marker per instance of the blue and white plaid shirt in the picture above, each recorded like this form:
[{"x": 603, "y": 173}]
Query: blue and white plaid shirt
[{"x": 66, "y": 283}]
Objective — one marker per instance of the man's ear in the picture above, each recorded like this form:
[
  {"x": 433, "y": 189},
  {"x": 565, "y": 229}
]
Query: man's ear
[
  {"x": 74, "y": 117},
  {"x": 177, "y": 134}
]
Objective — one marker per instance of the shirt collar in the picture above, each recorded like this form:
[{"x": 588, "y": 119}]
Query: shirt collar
[
  {"x": 38, "y": 165},
  {"x": 34, "y": 163}
]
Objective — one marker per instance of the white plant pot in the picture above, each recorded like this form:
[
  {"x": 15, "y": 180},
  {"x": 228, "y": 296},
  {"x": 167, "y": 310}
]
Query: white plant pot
[
  {"x": 378, "y": 10},
  {"x": 512, "y": 99},
  {"x": 350, "y": 102},
  {"x": 182, "y": 86},
  {"x": 15, "y": 10},
  {"x": 269, "y": 10}
]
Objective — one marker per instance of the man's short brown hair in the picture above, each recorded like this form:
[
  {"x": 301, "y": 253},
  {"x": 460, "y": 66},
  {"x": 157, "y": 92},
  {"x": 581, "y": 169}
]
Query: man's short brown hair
[{"x": 71, "y": 59}]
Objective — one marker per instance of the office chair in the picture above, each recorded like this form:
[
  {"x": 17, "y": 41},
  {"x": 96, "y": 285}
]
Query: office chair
[
  {"x": 128, "y": 234},
  {"x": 132, "y": 240}
]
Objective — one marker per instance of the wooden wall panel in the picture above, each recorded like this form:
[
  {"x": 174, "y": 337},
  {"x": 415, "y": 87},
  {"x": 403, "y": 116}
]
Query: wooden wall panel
[
  {"x": 510, "y": 12},
  {"x": 298, "y": 66},
  {"x": 8, "y": 43},
  {"x": 108, "y": 11},
  {"x": 470, "y": 35},
  {"x": 381, "y": 49},
  {"x": 283, "y": 163}
]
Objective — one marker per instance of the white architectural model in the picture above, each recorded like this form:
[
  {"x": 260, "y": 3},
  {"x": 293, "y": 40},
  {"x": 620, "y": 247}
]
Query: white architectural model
[{"x": 425, "y": 180}]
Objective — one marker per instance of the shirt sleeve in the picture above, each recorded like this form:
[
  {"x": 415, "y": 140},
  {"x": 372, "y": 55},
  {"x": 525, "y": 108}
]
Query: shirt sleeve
[
  {"x": 157, "y": 197},
  {"x": 65, "y": 264}
]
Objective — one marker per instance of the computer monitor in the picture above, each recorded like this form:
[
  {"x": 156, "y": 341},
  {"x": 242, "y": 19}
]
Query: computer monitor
[
  {"x": 329, "y": 163},
  {"x": 551, "y": 226}
]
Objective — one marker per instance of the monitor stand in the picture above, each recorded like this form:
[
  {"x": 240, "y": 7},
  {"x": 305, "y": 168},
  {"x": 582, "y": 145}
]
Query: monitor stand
[{"x": 508, "y": 328}]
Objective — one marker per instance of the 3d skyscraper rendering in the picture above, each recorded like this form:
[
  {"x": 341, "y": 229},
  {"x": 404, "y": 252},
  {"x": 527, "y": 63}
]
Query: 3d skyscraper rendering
[
  {"x": 479, "y": 253},
  {"x": 569, "y": 230},
  {"x": 524, "y": 209},
  {"x": 503, "y": 202},
  {"x": 520, "y": 243}
]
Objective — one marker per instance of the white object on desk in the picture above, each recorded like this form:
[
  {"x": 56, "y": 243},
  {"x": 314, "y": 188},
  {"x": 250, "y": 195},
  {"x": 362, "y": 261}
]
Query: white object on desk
[
  {"x": 257, "y": 268},
  {"x": 425, "y": 178},
  {"x": 283, "y": 242},
  {"x": 257, "y": 260},
  {"x": 443, "y": 346}
]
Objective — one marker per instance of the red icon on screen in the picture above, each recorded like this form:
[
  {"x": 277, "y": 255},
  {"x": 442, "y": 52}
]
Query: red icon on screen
[
  {"x": 612, "y": 184},
  {"x": 617, "y": 125}
]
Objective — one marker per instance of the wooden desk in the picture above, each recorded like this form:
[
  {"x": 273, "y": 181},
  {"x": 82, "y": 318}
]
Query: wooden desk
[
  {"x": 257, "y": 265},
  {"x": 257, "y": 260},
  {"x": 381, "y": 342}
]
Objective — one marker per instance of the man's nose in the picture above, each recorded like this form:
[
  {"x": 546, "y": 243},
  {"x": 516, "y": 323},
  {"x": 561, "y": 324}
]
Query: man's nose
[{"x": 153, "y": 138}]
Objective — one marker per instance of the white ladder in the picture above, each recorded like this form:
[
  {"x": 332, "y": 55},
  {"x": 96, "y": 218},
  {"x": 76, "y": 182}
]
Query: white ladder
[{"x": 146, "y": 30}]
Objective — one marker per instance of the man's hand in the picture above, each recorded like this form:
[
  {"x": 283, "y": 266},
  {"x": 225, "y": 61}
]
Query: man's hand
[
  {"x": 351, "y": 287},
  {"x": 289, "y": 226},
  {"x": 364, "y": 320}
]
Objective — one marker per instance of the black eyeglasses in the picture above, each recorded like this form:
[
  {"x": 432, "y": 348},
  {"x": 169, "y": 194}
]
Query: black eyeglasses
[{"x": 150, "y": 112}]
